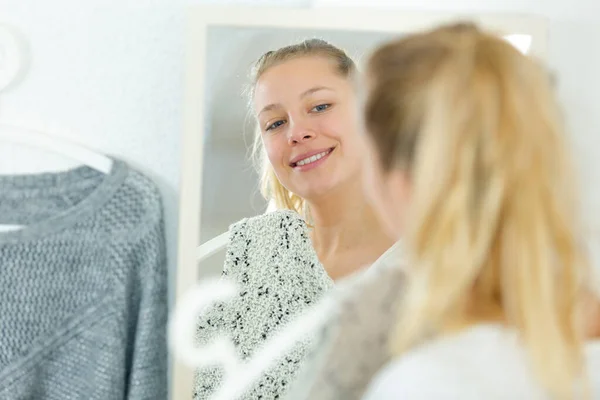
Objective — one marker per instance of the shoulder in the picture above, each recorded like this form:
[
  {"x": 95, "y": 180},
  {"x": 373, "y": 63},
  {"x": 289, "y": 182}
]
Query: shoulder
[
  {"x": 353, "y": 345},
  {"x": 272, "y": 245},
  {"x": 270, "y": 222},
  {"x": 133, "y": 205},
  {"x": 142, "y": 192},
  {"x": 370, "y": 297},
  {"x": 268, "y": 230},
  {"x": 467, "y": 365},
  {"x": 429, "y": 371},
  {"x": 414, "y": 376},
  {"x": 381, "y": 281}
]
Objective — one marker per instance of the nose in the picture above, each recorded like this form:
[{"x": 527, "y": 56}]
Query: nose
[{"x": 299, "y": 133}]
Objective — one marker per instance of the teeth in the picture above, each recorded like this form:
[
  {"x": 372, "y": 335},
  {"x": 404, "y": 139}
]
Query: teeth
[{"x": 314, "y": 158}]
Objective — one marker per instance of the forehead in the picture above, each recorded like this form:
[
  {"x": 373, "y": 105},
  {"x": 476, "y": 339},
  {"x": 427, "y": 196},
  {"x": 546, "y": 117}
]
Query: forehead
[{"x": 286, "y": 81}]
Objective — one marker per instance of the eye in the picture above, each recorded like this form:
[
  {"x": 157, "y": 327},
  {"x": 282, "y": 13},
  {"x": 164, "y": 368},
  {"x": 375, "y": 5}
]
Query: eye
[
  {"x": 275, "y": 125},
  {"x": 321, "y": 107}
]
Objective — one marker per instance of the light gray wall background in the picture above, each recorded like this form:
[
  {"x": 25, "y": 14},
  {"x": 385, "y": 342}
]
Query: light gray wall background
[{"x": 109, "y": 73}]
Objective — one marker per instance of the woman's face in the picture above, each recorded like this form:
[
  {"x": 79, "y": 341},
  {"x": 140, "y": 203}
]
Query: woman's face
[{"x": 307, "y": 116}]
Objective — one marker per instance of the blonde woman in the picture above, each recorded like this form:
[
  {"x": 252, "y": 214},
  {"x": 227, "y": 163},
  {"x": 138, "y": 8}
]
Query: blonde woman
[
  {"x": 469, "y": 163},
  {"x": 304, "y": 101}
]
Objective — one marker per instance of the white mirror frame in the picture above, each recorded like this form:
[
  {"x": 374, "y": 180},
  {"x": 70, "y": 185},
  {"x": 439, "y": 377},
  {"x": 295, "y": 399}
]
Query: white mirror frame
[{"x": 200, "y": 18}]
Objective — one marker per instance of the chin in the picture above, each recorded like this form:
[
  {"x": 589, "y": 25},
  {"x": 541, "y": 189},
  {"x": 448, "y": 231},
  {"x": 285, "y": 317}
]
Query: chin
[
  {"x": 315, "y": 193},
  {"x": 320, "y": 188}
]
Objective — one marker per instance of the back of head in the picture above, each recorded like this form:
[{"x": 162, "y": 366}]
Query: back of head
[{"x": 493, "y": 229}]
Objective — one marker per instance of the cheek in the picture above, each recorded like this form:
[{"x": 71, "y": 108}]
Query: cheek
[
  {"x": 341, "y": 127},
  {"x": 276, "y": 151}
]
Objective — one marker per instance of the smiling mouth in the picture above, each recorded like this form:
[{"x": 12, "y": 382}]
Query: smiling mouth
[{"x": 312, "y": 159}]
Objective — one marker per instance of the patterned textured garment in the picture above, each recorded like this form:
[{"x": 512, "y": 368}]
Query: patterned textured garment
[
  {"x": 354, "y": 343},
  {"x": 272, "y": 259},
  {"x": 83, "y": 287}
]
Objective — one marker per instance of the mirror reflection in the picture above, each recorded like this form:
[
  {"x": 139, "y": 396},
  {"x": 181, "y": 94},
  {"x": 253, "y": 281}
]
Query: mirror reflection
[{"x": 231, "y": 167}]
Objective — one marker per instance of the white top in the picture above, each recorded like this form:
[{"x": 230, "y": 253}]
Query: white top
[{"x": 483, "y": 362}]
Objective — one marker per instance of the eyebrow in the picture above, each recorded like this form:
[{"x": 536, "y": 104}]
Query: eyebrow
[
  {"x": 313, "y": 90},
  {"x": 308, "y": 92}
]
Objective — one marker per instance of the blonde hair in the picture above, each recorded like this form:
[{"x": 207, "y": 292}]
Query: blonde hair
[
  {"x": 475, "y": 125},
  {"x": 270, "y": 187}
]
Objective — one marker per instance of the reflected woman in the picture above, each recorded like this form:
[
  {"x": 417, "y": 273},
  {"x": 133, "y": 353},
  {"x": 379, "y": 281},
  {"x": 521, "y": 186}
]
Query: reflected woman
[{"x": 304, "y": 99}]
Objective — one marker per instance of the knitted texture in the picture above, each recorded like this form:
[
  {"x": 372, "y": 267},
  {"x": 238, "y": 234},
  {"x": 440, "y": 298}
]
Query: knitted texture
[
  {"x": 355, "y": 341},
  {"x": 83, "y": 287},
  {"x": 272, "y": 260}
]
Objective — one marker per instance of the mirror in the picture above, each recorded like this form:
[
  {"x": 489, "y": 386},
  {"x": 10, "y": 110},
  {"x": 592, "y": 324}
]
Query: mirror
[
  {"x": 219, "y": 183},
  {"x": 227, "y": 165}
]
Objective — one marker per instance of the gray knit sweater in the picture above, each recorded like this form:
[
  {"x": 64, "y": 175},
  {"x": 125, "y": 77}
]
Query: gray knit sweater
[{"x": 83, "y": 287}]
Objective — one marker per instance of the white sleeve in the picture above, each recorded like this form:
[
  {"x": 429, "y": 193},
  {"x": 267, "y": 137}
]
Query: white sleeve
[{"x": 421, "y": 378}]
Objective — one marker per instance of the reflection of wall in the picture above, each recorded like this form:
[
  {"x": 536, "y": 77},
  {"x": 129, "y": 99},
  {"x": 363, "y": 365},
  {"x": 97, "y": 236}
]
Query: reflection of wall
[
  {"x": 230, "y": 182},
  {"x": 230, "y": 192}
]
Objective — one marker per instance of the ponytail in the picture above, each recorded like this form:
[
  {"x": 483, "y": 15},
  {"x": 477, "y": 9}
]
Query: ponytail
[{"x": 493, "y": 233}]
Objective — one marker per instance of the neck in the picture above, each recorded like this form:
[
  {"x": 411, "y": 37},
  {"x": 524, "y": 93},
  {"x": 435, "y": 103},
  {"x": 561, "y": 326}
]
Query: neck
[{"x": 342, "y": 220}]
